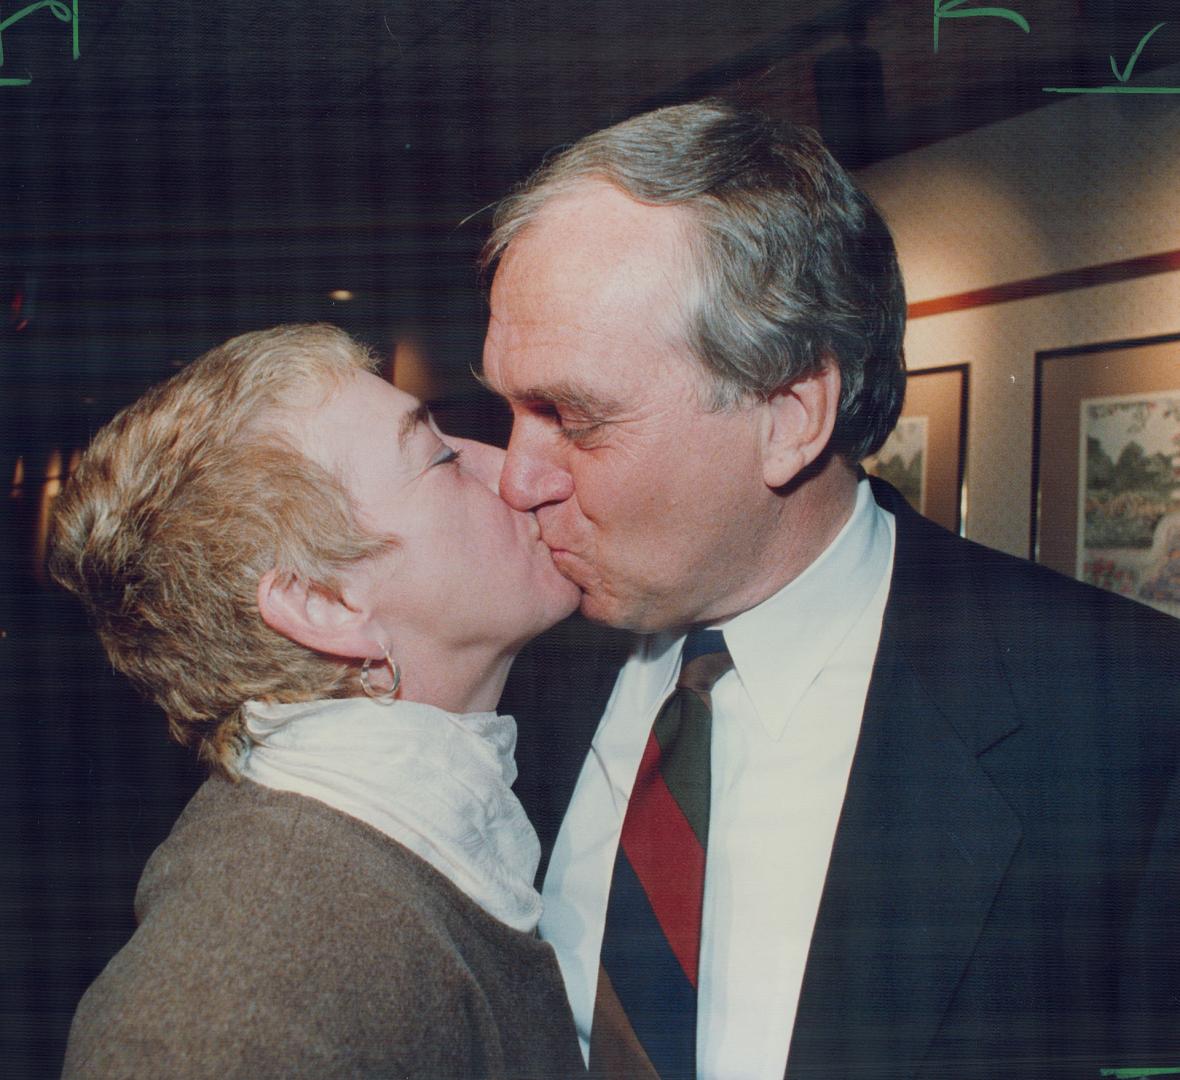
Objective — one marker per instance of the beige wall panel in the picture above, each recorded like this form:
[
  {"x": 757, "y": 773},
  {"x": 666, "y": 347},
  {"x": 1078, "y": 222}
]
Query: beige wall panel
[{"x": 1085, "y": 181}]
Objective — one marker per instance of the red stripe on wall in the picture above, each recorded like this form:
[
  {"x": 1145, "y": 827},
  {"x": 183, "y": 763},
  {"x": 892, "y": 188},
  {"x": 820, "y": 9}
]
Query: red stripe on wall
[{"x": 1086, "y": 277}]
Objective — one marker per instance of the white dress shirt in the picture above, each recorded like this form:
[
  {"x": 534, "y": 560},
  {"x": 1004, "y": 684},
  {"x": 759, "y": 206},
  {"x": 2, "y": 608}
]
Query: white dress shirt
[{"x": 786, "y": 723}]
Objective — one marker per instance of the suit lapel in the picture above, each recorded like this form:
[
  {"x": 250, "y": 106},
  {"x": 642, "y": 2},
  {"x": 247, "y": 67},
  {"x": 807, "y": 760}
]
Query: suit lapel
[{"x": 924, "y": 838}]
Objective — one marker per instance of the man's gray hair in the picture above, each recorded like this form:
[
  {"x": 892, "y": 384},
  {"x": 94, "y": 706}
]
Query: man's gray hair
[{"x": 795, "y": 265}]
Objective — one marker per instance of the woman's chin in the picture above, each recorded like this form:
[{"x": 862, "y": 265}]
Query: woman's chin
[
  {"x": 573, "y": 602},
  {"x": 563, "y": 599},
  {"x": 569, "y": 594}
]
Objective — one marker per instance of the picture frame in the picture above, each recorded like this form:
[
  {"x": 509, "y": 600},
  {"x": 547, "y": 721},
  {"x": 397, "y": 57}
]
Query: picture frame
[
  {"x": 1106, "y": 466},
  {"x": 925, "y": 457}
]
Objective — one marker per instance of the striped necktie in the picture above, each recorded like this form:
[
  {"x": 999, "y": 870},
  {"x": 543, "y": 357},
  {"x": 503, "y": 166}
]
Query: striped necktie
[{"x": 645, "y": 1011}]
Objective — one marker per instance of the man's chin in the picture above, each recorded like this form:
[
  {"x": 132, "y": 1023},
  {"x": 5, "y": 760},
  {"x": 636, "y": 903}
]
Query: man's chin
[{"x": 608, "y": 611}]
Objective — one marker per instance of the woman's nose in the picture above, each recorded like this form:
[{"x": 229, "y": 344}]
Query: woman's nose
[{"x": 482, "y": 460}]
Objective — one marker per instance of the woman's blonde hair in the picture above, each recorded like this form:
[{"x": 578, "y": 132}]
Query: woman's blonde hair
[{"x": 181, "y": 504}]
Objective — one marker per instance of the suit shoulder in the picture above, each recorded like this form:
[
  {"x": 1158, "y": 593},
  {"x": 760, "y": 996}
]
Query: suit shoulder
[
  {"x": 1029, "y": 601},
  {"x": 1024, "y": 596}
]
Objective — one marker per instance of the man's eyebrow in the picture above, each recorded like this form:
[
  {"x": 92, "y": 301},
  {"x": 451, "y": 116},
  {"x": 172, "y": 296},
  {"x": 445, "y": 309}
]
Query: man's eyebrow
[
  {"x": 409, "y": 422},
  {"x": 563, "y": 394}
]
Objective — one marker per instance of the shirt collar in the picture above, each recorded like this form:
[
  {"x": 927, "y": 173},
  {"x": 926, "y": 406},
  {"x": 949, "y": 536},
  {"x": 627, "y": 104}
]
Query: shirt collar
[{"x": 780, "y": 646}]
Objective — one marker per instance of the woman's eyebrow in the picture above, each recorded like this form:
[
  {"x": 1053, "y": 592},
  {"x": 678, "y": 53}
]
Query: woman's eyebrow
[{"x": 410, "y": 421}]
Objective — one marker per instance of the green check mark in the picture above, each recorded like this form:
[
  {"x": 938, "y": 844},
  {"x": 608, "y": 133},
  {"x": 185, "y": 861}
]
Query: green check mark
[
  {"x": 1124, "y": 75},
  {"x": 953, "y": 9},
  {"x": 1138, "y": 1074}
]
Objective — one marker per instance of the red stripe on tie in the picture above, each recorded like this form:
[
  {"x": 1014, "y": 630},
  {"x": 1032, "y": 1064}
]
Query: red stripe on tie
[{"x": 668, "y": 860}]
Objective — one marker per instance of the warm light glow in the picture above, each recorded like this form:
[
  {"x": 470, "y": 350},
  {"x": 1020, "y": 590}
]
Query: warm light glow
[
  {"x": 340, "y": 295},
  {"x": 413, "y": 372},
  {"x": 18, "y": 474},
  {"x": 49, "y": 491}
]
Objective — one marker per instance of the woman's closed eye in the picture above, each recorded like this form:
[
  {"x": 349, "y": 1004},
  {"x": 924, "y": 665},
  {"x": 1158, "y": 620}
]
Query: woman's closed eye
[{"x": 446, "y": 455}]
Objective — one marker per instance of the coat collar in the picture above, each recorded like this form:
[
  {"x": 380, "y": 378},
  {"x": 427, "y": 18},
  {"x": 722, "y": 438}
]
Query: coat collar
[{"x": 935, "y": 606}]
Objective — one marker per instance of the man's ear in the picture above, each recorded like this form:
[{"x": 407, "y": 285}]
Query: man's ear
[
  {"x": 799, "y": 419},
  {"x": 313, "y": 616}
]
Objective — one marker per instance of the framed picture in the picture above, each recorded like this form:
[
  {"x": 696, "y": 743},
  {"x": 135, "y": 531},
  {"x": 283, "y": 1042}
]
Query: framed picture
[
  {"x": 1106, "y": 467},
  {"x": 925, "y": 456}
]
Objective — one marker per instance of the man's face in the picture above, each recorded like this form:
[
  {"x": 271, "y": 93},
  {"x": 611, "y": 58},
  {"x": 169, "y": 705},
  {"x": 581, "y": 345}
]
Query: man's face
[{"x": 652, "y": 504}]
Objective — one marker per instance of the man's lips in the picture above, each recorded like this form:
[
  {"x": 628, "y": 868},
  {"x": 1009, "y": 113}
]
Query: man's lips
[
  {"x": 554, "y": 549},
  {"x": 539, "y": 534},
  {"x": 569, "y": 566}
]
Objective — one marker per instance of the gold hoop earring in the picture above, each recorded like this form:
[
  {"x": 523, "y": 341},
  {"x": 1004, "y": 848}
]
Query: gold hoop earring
[{"x": 386, "y": 697}]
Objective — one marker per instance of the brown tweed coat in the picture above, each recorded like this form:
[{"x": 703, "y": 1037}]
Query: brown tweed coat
[{"x": 280, "y": 938}]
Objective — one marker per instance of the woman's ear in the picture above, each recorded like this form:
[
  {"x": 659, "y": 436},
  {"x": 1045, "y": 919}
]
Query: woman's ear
[
  {"x": 313, "y": 616},
  {"x": 799, "y": 420}
]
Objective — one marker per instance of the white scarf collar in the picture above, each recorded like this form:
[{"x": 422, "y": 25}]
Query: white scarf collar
[{"x": 437, "y": 782}]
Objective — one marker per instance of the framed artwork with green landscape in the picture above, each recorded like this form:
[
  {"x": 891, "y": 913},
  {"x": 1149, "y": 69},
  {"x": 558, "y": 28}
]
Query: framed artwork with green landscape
[
  {"x": 925, "y": 456},
  {"x": 1106, "y": 483}
]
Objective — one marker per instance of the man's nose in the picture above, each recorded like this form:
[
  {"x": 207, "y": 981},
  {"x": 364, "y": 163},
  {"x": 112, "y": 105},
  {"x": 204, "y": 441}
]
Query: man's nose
[
  {"x": 482, "y": 460},
  {"x": 531, "y": 477}
]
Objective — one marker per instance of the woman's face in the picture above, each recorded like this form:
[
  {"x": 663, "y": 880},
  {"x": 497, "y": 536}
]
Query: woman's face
[{"x": 469, "y": 572}]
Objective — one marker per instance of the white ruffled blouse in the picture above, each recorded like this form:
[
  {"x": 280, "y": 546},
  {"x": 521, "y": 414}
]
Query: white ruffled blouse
[{"x": 437, "y": 782}]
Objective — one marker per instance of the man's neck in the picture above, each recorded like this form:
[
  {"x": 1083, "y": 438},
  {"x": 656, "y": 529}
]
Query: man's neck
[{"x": 810, "y": 516}]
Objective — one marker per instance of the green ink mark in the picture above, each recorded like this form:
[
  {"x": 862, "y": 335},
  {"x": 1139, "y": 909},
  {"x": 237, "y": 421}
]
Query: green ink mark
[
  {"x": 1123, "y": 76},
  {"x": 1137, "y": 1074},
  {"x": 1113, "y": 90},
  {"x": 1122, "y": 88},
  {"x": 59, "y": 10},
  {"x": 951, "y": 9}
]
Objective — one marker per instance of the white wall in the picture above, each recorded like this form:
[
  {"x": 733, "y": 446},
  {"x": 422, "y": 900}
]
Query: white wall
[{"x": 1083, "y": 181}]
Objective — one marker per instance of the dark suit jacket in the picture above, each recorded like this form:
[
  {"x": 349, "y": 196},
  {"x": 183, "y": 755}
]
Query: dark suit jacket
[{"x": 1003, "y": 897}]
